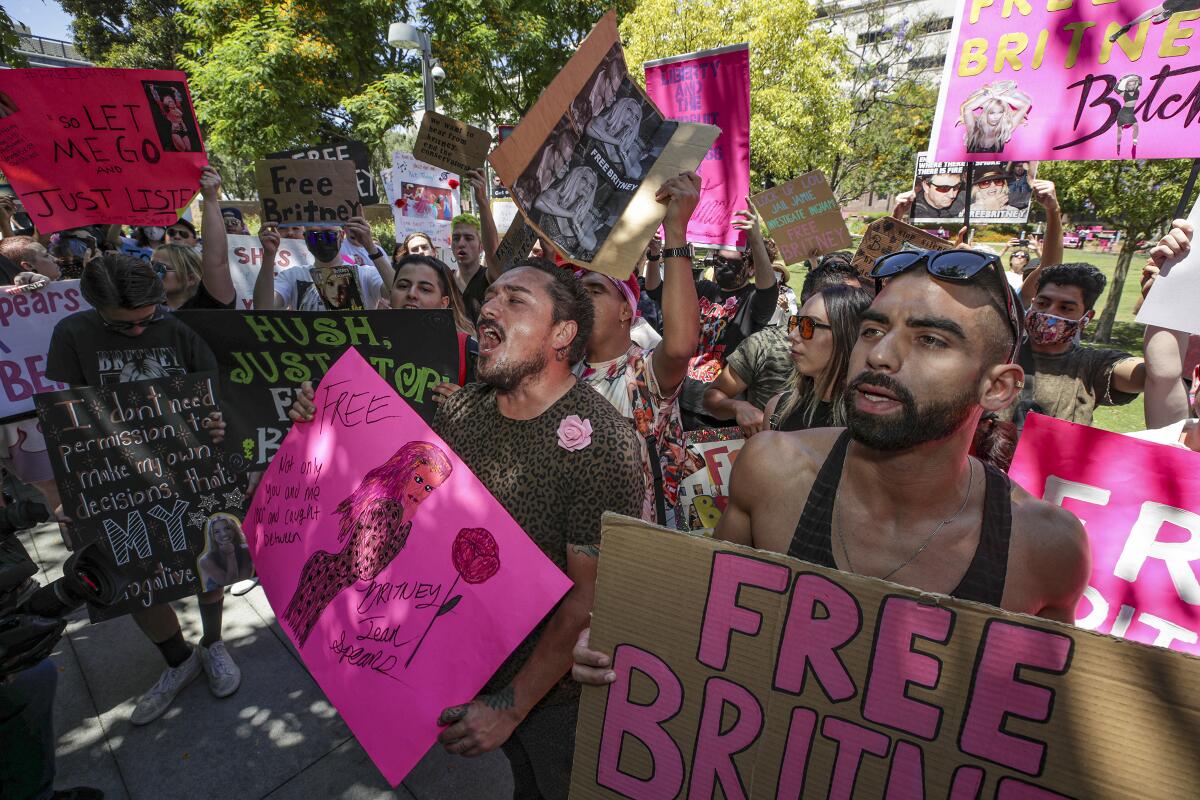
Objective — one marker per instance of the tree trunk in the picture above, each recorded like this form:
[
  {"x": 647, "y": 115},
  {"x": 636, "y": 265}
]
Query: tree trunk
[{"x": 1115, "y": 287}]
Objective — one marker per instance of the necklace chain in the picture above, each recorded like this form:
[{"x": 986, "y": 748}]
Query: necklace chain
[{"x": 846, "y": 552}]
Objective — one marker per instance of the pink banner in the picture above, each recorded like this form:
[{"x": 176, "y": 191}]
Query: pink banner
[
  {"x": 712, "y": 87},
  {"x": 1140, "y": 504},
  {"x": 402, "y": 582},
  {"x": 90, "y": 146},
  {"x": 1070, "y": 80}
]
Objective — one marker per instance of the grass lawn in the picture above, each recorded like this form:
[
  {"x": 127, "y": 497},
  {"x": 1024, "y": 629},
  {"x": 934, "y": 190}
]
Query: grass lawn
[{"x": 1127, "y": 334}]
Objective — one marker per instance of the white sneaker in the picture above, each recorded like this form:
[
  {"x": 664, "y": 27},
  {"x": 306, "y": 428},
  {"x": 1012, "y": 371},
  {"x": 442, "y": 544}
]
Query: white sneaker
[
  {"x": 153, "y": 703},
  {"x": 224, "y": 677}
]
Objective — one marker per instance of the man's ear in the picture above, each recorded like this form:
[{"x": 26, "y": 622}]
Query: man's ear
[
  {"x": 564, "y": 333},
  {"x": 1000, "y": 386}
]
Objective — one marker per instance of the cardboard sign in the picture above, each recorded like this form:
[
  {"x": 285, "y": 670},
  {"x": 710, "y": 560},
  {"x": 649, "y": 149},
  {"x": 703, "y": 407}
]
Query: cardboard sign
[
  {"x": 1171, "y": 303},
  {"x": 504, "y": 211},
  {"x": 307, "y": 191},
  {"x": 264, "y": 356},
  {"x": 452, "y": 145},
  {"x": 138, "y": 472},
  {"x": 342, "y": 151},
  {"x": 803, "y": 217},
  {"x": 424, "y": 199},
  {"x": 586, "y": 161},
  {"x": 1001, "y": 191},
  {"x": 90, "y": 146},
  {"x": 888, "y": 235},
  {"x": 26, "y": 323},
  {"x": 711, "y": 87},
  {"x": 1099, "y": 80},
  {"x": 705, "y": 492},
  {"x": 245, "y": 260},
  {"x": 517, "y": 242},
  {"x": 416, "y": 621},
  {"x": 1140, "y": 504},
  {"x": 773, "y": 678}
]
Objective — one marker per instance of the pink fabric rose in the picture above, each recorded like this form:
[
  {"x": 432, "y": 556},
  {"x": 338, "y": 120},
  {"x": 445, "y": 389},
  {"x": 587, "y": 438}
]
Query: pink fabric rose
[{"x": 574, "y": 433}]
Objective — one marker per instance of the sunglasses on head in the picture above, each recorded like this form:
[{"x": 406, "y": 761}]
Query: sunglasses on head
[
  {"x": 960, "y": 266},
  {"x": 945, "y": 188},
  {"x": 161, "y": 269},
  {"x": 807, "y": 325},
  {"x": 125, "y": 325},
  {"x": 988, "y": 182}
]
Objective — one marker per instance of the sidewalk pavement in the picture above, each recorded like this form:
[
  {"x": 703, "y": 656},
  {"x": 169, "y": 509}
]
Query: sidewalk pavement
[{"x": 277, "y": 737}]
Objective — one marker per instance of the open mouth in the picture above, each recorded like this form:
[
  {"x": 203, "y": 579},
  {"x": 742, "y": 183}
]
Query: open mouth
[
  {"x": 490, "y": 338},
  {"x": 410, "y": 305},
  {"x": 875, "y": 399}
]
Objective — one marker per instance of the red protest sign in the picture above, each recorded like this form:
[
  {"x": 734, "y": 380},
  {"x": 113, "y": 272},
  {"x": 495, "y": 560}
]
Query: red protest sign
[{"x": 89, "y": 146}]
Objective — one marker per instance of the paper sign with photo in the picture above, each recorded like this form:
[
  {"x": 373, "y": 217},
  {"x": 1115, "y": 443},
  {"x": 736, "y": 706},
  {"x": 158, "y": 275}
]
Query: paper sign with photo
[
  {"x": 337, "y": 287},
  {"x": 89, "y": 146},
  {"x": 424, "y": 199},
  {"x": 586, "y": 161},
  {"x": 1001, "y": 191},
  {"x": 401, "y": 581}
]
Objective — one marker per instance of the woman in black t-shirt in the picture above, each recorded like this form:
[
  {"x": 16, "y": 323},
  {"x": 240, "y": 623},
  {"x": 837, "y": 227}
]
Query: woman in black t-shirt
[
  {"x": 822, "y": 336},
  {"x": 199, "y": 280}
]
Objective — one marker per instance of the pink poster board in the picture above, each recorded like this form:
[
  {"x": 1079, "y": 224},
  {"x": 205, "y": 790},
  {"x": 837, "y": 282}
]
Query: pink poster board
[
  {"x": 1068, "y": 80},
  {"x": 1140, "y": 504},
  {"x": 712, "y": 87},
  {"x": 402, "y": 582},
  {"x": 90, "y": 146}
]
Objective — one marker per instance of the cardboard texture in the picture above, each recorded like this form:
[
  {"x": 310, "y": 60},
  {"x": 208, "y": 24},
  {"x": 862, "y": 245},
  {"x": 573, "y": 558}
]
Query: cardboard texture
[
  {"x": 449, "y": 144},
  {"x": 770, "y": 677},
  {"x": 887, "y": 235},
  {"x": 26, "y": 323},
  {"x": 562, "y": 157},
  {"x": 1071, "y": 81},
  {"x": 1001, "y": 191},
  {"x": 342, "y": 151},
  {"x": 1171, "y": 303},
  {"x": 307, "y": 191},
  {"x": 517, "y": 242},
  {"x": 803, "y": 217}
]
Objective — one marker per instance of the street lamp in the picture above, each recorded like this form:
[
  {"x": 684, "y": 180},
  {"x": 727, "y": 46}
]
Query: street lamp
[{"x": 404, "y": 36}]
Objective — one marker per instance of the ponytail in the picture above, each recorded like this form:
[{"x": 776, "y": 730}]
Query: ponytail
[{"x": 995, "y": 442}]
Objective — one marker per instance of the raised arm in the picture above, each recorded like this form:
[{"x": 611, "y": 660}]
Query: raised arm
[
  {"x": 1052, "y": 247},
  {"x": 1166, "y": 398},
  {"x": 215, "y": 255},
  {"x": 265, "y": 296},
  {"x": 487, "y": 225},
  {"x": 680, "y": 305},
  {"x": 358, "y": 231}
]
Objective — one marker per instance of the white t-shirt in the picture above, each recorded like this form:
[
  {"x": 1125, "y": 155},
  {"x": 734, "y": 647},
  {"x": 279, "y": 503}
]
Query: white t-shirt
[
  {"x": 1014, "y": 279},
  {"x": 295, "y": 286}
]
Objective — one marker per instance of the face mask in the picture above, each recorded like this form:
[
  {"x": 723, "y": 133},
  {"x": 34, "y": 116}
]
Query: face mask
[
  {"x": 731, "y": 274},
  {"x": 1047, "y": 329},
  {"x": 155, "y": 234}
]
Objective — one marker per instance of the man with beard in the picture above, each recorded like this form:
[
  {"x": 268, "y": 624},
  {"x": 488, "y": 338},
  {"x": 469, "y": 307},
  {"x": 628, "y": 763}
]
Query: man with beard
[
  {"x": 897, "y": 495},
  {"x": 557, "y": 455},
  {"x": 731, "y": 309}
]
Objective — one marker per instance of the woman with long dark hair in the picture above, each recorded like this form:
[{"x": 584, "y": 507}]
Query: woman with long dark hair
[
  {"x": 426, "y": 282},
  {"x": 822, "y": 336}
]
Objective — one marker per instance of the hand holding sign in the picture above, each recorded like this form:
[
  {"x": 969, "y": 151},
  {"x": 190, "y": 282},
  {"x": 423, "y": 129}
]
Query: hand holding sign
[{"x": 680, "y": 195}]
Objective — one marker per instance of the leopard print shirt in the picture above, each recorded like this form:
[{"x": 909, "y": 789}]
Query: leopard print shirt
[{"x": 556, "y": 496}]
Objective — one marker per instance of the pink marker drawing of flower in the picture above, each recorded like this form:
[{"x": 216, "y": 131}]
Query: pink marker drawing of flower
[
  {"x": 476, "y": 558},
  {"x": 574, "y": 433}
]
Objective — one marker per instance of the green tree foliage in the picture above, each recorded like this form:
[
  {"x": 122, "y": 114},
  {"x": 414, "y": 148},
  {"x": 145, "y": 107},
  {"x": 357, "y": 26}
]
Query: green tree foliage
[
  {"x": 1135, "y": 198},
  {"x": 798, "y": 116},
  {"x": 9, "y": 41},
  {"x": 500, "y": 54},
  {"x": 134, "y": 34}
]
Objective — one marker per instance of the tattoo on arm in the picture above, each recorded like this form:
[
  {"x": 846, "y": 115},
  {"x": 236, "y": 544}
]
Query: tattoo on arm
[
  {"x": 502, "y": 700},
  {"x": 589, "y": 550}
]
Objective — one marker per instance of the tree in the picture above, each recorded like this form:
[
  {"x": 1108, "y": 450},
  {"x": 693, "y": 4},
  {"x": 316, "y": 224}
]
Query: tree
[
  {"x": 798, "y": 118},
  {"x": 9, "y": 42},
  {"x": 134, "y": 34},
  {"x": 1135, "y": 198},
  {"x": 500, "y": 54}
]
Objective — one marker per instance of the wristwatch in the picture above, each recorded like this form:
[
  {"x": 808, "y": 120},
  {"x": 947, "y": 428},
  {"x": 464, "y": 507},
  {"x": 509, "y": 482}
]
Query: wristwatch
[
  {"x": 377, "y": 254},
  {"x": 687, "y": 252}
]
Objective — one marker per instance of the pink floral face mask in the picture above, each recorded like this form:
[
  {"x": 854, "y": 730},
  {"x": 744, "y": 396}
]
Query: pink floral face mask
[{"x": 1046, "y": 328}]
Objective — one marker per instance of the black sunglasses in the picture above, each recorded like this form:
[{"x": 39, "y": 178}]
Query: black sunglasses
[
  {"x": 807, "y": 325},
  {"x": 117, "y": 325},
  {"x": 960, "y": 266},
  {"x": 321, "y": 237}
]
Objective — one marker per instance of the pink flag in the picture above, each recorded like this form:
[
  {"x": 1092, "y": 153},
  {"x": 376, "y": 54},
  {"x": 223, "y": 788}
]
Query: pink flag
[
  {"x": 93, "y": 146},
  {"x": 712, "y": 87},
  {"x": 402, "y": 582},
  {"x": 1140, "y": 504},
  {"x": 1075, "y": 81}
]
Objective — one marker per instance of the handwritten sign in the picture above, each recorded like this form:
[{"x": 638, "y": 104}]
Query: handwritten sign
[
  {"x": 342, "y": 151},
  {"x": 92, "y": 146},
  {"x": 770, "y": 677},
  {"x": 1140, "y": 504},
  {"x": 449, "y": 144},
  {"x": 889, "y": 235},
  {"x": 1062, "y": 80},
  {"x": 803, "y": 217},
  {"x": 307, "y": 191},
  {"x": 424, "y": 199},
  {"x": 711, "y": 87},
  {"x": 245, "y": 260},
  {"x": 704, "y": 494},
  {"x": 414, "y": 621},
  {"x": 517, "y": 242},
  {"x": 264, "y": 356},
  {"x": 138, "y": 472},
  {"x": 26, "y": 323}
]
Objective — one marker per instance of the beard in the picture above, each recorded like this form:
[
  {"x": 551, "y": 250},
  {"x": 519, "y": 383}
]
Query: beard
[
  {"x": 504, "y": 375},
  {"x": 916, "y": 425}
]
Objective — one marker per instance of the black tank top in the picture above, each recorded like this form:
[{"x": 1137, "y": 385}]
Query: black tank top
[{"x": 984, "y": 579}]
